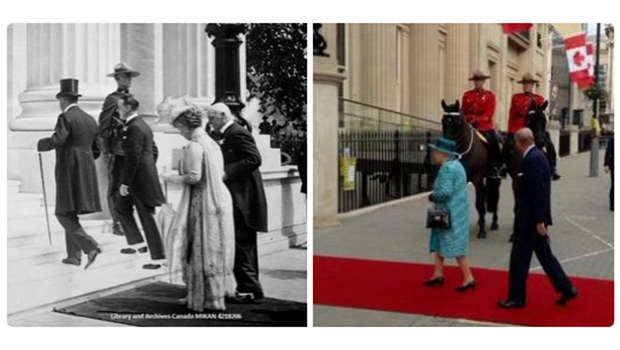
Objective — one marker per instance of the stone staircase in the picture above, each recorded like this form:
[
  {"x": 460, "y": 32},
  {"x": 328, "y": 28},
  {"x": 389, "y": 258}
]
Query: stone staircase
[{"x": 38, "y": 281}]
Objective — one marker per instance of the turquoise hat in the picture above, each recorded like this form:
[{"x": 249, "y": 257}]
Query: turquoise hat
[{"x": 444, "y": 145}]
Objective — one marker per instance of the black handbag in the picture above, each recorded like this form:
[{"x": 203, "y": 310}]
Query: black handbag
[{"x": 438, "y": 218}]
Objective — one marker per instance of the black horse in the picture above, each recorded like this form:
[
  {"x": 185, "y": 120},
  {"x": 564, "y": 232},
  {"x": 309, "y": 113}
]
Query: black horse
[{"x": 475, "y": 157}]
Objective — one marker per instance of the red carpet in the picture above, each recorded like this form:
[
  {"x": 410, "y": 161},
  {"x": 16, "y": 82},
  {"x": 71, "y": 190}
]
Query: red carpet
[{"x": 397, "y": 286}]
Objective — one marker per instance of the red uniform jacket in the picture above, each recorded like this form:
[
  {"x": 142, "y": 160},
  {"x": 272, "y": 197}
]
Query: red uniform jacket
[
  {"x": 479, "y": 108},
  {"x": 519, "y": 106}
]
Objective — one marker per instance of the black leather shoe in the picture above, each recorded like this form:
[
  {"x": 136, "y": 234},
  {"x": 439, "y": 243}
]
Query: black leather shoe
[
  {"x": 143, "y": 250},
  {"x": 128, "y": 251},
  {"x": 466, "y": 287},
  {"x": 71, "y": 261},
  {"x": 151, "y": 266},
  {"x": 556, "y": 176},
  {"x": 92, "y": 255},
  {"x": 567, "y": 297},
  {"x": 241, "y": 299},
  {"x": 437, "y": 281},
  {"x": 510, "y": 304}
]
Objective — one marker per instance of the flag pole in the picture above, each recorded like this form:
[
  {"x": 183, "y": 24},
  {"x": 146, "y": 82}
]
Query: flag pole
[{"x": 594, "y": 140}]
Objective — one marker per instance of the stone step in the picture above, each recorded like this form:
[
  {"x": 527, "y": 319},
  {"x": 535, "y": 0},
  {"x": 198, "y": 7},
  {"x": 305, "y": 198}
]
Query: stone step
[
  {"x": 43, "y": 253},
  {"x": 49, "y": 285},
  {"x": 33, "y": 230},
  {"x": 13, "y": 188}
]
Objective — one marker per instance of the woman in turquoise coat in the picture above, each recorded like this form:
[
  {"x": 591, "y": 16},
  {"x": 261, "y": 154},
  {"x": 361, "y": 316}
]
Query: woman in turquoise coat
[{"x": 450, "y": 192}]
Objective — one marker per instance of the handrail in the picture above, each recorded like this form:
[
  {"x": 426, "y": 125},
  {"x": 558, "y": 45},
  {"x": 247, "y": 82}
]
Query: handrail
[{"x": 390, "y": 111}]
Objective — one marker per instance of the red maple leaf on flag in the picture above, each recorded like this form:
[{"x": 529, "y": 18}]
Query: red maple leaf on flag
[{"x": 578, "y": 58}]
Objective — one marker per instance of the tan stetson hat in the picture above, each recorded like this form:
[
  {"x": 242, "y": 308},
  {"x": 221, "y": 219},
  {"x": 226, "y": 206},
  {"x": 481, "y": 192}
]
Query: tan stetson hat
[
  {"x": 479, "y": 75},
  {"x": 124, "y": 68},
  {"x": 528, "y": 78}
]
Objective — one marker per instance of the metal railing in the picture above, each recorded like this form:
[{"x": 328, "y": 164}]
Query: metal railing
[{"x": 382, "y": 155}]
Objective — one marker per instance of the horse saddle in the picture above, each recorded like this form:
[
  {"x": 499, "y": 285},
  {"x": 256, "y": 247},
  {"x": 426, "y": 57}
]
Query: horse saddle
[{"x": 498, "y": 136}]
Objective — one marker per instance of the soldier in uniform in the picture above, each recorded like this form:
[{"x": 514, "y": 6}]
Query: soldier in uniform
[
  {"x": 519, "y": 107},
  {"x": 111, "y": 129},
  {"x": 479, "y": 109},
  {"x": 75, "y": 140}
]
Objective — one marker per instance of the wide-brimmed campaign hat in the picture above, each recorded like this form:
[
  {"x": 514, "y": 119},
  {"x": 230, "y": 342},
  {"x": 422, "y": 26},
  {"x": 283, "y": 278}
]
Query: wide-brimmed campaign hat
[
  {"x": 444, "y": 145},
  {"x": 528, "y": 78},
  {"x": 68, "y": 87},
  {"x": 478, "y": 74},
  {"x": 124, "y": 68}
]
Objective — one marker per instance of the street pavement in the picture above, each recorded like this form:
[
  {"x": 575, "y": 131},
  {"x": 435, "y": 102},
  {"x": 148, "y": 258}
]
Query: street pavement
[
  {"x": 283, "y": 275},
  {"x": 582, "y": 238}
]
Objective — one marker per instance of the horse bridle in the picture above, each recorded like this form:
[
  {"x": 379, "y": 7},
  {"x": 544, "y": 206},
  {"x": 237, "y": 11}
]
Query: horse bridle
[{"x": 471, "y": 132}]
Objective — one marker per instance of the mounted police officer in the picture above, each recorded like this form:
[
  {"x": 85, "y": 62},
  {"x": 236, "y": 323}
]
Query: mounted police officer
[{"x": 479, "y": 110}]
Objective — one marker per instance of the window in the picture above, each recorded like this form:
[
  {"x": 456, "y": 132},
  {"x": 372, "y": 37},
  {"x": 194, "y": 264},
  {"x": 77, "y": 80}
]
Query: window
[{"x": 341, "y": 39}]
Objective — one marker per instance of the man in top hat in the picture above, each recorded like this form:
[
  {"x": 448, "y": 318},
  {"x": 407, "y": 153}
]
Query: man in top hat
[
  {"x": 139, "y": 185},
  {"x": 519, "y": 108},
  {"x": 243, "y": 178},
  {"x": 479, "y": 109},
  {"x": 75, "y": 140},
  {"x": 111, "y": 130}
]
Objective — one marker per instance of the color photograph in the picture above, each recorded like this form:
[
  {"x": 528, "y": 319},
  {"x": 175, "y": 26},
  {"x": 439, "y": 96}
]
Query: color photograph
[{"x": 463, "y": 174}]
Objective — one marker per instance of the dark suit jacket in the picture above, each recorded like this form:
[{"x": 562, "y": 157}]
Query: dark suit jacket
[
  {"x": 534, "y": 192},
  {"x": 243, "y": 178},
  {"x": 139, "y": 171},
  {"x": 75, "y": 140},
  {"x": 110, "y": 125},
  {"x": 609, "y": 154}
]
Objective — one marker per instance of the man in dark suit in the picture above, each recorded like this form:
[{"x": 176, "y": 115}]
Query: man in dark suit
[
  {"x": 75, "y": 140},
  {"x": 243, "y": 178},
  {"x": 140, "y": 185},
  {"x": 609, "y": 168},
  {"x": 111, "y": 132},
  {"x": 532, "y": 221}
]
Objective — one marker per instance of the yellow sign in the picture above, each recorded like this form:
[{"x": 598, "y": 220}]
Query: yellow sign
[
  {"x": 347, "y": 171},
  {"x": 596, "y": 126}
]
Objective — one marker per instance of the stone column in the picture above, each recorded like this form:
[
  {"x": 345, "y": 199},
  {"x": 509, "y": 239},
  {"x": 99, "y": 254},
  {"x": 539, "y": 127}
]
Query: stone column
[
  {"x": 142, "y": 49},
  {"x": 574, "y": 139},
  {"x": 325, "y": 131},
  {"x": 379, "y": 52},
  {"x": 55, "y": 51},
  {"x": 424, "y": 73},
  {"x": 554, "y": 133},
  {"x": 457, "y": 60},
  {"x": 477, "y": 50}
]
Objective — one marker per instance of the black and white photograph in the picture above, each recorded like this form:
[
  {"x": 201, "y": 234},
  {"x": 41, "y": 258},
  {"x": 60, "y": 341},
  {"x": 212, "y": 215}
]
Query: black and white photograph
[{"x": 157, "y": 174}]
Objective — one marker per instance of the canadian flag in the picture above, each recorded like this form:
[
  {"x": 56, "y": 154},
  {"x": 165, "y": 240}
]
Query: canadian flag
[
  {"x": 516, "y": 27},
  {"x": 590, "y": 50},
  {"x": 577, "y": 54}
]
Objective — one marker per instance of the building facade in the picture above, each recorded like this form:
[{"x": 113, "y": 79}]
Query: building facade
[
  {"x": 410, "y": 68},
  {"x": 174, "y": 60}
]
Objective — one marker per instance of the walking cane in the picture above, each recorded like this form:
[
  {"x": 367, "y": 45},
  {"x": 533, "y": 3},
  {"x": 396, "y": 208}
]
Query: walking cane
[{"x": 47, "y": 216}]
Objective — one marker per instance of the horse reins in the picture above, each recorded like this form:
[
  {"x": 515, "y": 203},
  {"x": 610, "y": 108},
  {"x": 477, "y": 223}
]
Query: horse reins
[{"x": 471, "y": 132}]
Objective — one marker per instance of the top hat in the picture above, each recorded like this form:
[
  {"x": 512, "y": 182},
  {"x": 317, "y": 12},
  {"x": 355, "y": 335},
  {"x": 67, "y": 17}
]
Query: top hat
[
  {"x": 528, "y": 78},
  {"x": 479, "y": 75},
  {"x": 124, "y": 68},
  {"x": 68, "y": 87},
  {"x": 444, "y": 145}
]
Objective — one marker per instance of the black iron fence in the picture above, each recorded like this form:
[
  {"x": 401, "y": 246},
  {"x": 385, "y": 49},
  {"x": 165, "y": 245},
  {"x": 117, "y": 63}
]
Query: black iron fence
[{"x": 382, "y": 159}]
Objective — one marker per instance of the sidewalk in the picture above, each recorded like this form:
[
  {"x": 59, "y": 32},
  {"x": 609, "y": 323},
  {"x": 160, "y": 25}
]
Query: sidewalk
[
  {"x": 283, "y": 275},
  {"x": 582, "y": 239}
]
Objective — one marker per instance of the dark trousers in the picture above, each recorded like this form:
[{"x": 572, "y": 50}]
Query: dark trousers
[
  {"x": 493, "y": 148},
  {"x": 524, "y": 244},
  {"x": 115, "y": 168},
  {"x": 124, "y": 209},
  {"x": 552, "y": 155},
  {"x": 246, "y": 257},
  {"x": 508, "y": 149},
  {"x": 76, "y": 239},
  {"x": 611, "y": 191}
]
